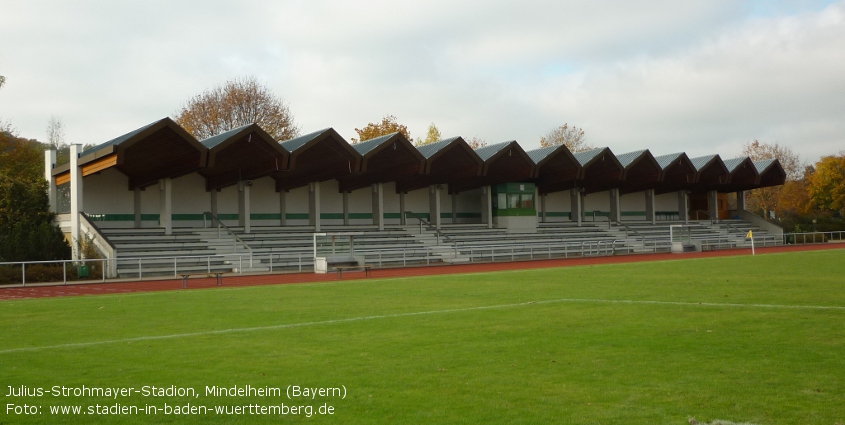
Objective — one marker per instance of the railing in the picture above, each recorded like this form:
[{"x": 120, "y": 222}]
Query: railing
[
  {"x": 101, "y": 241},
  {"x": 144, "y": 268},
  {"x": 428, "y": 225},
  {"x": 66, "y": 271},
  {"x": 813, "y": 237},
  {"x": 220, "y": 224}
]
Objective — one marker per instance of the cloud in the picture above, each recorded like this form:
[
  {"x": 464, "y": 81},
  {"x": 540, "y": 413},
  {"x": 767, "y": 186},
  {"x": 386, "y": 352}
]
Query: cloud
[{"x": 702, "y": 77}]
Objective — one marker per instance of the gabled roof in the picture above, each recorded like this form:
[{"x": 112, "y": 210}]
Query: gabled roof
[
  {"x": 585, "y": 157},
  {"x": 771, "y": 173},
  {"x": 763, "y": 165},
  {"x": 667, "y": 160},
  {"x": 317, "y": 156},
  {"x": 158, "y": 150},
  {"x": 503, "y": 162},
  {"x": 711, "y": 173},
  {"x": 556, "y": 168},
  {"x": 601, "y": 170},
  {"x": 678, "y": 172},
  {"x": 641, "y": 171},
  {"x": 448, "y": 161},
  {"x": 627, "y": 158},
  {"x": 432, "y": 149},
  {"x": 384, "y": 159},
  {"x": 244, "y": 153}
]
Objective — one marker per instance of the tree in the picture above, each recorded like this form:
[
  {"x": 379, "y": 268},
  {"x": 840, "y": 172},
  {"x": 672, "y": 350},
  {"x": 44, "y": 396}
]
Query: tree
[
  {"x": 432, "y": 136},
  {"x": 788, "y": 159},
  {"x": 572, "y": 137},
  {"x": 27, "y": 232},
  {"x": 827, "y": 184},
  {"x": 234, "y": 104},
  {"x": 476, "y": 143},
  {"x": 767, "y": 199},
  {"x": 387, "y": 126}
]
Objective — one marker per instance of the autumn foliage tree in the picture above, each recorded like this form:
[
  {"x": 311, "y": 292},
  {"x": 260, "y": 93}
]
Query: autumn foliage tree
[
  {"x": 234, "y": 104},
  {"x": 475, "y": 142},
  {"x": 827, "y": 184},
  {"x": 431, "y": 136},
  {"x": 777, "y": 198},
  {"x": 572, "y": 137},
  {"x": 387, "y": 126}
]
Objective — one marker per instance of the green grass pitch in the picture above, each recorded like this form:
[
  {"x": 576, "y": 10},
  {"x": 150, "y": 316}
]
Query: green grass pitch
[{"x": 747, "y": 339}]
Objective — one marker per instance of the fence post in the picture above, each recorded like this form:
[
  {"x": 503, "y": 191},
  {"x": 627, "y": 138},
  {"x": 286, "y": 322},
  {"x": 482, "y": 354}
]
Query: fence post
[
  {"x": 103, "y": 271},
  {"x": 23, "y": 274},
  {"x": 140, "y": 277},
  {"x": 64, "y": 272},
  {"x": 175, "y": 273},
  {"x": 240, "y": 264}
]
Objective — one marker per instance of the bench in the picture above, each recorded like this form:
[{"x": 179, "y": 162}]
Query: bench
[
  {"x": 341, "y": 269},
  {"x": 218, "y": 275}
]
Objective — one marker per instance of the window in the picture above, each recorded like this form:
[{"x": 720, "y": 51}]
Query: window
[
  {"x": 513, "y": 200},
  {"x": 527, "y": 201}
]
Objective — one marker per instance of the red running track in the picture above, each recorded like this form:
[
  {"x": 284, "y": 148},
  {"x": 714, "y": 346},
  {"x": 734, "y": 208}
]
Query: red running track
[{"x": 41, "y": 291}]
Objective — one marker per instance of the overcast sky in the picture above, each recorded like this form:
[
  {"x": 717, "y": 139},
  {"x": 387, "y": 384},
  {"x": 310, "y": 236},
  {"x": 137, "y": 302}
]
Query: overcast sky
[{"x": 695, "y": 76}]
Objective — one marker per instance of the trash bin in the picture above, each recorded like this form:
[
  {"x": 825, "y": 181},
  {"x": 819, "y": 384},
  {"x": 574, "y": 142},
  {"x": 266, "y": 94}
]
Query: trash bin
[{"x": 83, "y": 270}]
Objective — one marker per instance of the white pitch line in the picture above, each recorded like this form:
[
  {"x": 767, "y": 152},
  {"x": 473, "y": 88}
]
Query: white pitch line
[{"x": 418, "y": 313}]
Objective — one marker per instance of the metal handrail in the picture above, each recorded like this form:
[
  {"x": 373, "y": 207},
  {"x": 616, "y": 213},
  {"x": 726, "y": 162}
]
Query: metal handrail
[
  {"x": 428, "y": 225},
  {"x": 220, "y": 223}
]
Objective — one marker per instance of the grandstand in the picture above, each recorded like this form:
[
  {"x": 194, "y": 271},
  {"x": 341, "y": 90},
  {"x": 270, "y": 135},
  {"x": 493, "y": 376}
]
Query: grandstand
[{"x": 159, "y": 202}]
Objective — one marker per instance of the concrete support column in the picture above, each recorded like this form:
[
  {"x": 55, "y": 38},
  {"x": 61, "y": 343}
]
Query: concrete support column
[
  {"x": 615, "y": 206},
  {"x": 75, "y": 198},
  {"x": 713, "y": 204},
  {"x": 378, "y": 205},
  {"x": 137, "y": 207},
  {"x": 434, "y": 205},
  {"x": 454, "y": 208},
  {"x": 575, "y": 206},
  {"x": 740, "y": 200},
  {"x": 345, "y": 208},
  {"x": 213, "y": 207},
  {"x": 314, "y": 205},
  {"x": 402, "y": 218},
  {"x": 543, "y": 208},
  {"x": 683, "y": 206},
  {"x": 49, "y": 163},
  {"x": 650, "y": 214},
  {"x": 283, "y": 220},
  {"x": 244, "y": 213},
  {"x": 487, "y": 206},
  {"x": 165, "y": 203}
]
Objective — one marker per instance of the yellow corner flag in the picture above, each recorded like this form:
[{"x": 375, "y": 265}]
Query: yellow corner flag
[{"x": 749, "y": 235}]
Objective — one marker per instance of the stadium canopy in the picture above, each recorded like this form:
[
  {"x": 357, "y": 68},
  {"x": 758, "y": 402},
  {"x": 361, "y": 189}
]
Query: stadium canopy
[
  {"x": 384, "y": 159},
  {"x": 771, "y": 173},
  {"x": 710, "y": 173},
  {"x": 245, "y": 153},
  {"x": 742, "y": 174},
  {"x": 677, "y": 172},
  {"x": 503, "y": 162},
  {"x": 556, "y": 169},
  {"x": 153, "y": 152},
  {"x": 642, "y": 171},
  {"x": 446, "y": 162},
  {"x": 315, "y": 157},
  {"x": 601, "y": 170}
]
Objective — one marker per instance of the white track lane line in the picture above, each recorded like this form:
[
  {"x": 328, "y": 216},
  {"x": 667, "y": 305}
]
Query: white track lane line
[{"x": 419, "y": 313}]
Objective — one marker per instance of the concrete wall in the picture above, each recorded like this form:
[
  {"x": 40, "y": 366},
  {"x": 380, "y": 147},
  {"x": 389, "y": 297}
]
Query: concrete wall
[
  {"x": 557, "y": 207},
  {"x": 633, "y": 206},
  {"x": 107, "y": 192},
  {"x": 598, "y": 201}
]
